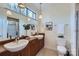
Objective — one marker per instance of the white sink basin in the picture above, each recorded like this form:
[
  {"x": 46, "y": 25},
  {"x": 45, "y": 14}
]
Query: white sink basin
[
  {"x": 32, "y": 37},
  {"x": 39, "y": 36},
  {"x": 14, "y": 47}
]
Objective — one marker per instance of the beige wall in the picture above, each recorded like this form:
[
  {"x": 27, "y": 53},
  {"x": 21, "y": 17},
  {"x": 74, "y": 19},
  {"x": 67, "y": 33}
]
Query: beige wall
[
  {"x": 59, "y": 14},
  {"x": 73, "y": 30}
]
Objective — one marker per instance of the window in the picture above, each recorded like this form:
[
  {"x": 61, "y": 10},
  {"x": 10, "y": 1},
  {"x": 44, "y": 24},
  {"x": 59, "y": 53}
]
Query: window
[
  {"x": 34, "y": 15},
  {"x": 17, "y": 8},
  {"x": 25, "y": 11},
  {"x": 9, "y": 5},
  {"x": 14, "y": 7},
  {"x": 31, "y": 14}
]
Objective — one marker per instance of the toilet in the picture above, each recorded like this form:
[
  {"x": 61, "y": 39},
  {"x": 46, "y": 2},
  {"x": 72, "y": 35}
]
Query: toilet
[{"x": 61, "y": 49}]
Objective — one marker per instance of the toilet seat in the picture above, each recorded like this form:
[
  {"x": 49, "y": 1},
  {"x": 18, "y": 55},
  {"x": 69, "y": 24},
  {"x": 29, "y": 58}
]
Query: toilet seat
[{"x": 61, "y": 49}]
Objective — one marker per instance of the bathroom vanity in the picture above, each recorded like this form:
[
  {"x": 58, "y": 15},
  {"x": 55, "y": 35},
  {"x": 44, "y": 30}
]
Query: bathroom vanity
[{"x": 32, "y": 48}]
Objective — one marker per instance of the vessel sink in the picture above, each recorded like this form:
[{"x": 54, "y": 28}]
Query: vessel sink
[
  {"x": 39, "y": 36},
  {"x": 16, "y": 46}
]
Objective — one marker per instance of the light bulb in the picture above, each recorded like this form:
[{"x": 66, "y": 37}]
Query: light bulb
[
  {"x": 40, "y": 16},
  {"x": 28, "y": 19},
  {"x": 9, "y": 12}
]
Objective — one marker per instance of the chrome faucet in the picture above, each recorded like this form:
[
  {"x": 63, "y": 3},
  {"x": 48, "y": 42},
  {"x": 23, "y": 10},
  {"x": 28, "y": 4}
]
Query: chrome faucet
[{"x": 16, "y": 39}]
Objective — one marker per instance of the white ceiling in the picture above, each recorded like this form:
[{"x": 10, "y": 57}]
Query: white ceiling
[{"x": 50, "y": 5}]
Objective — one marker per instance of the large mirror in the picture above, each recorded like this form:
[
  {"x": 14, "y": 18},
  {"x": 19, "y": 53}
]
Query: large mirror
[{"x": 12, "y": 28}]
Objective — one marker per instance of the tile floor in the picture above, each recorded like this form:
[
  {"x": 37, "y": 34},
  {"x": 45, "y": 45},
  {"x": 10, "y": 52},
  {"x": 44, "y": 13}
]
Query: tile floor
[{"x": 47, "y": 52}]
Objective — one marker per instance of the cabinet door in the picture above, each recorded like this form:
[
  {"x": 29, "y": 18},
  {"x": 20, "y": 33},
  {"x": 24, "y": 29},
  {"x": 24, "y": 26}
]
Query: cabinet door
[
  {"x": 33, "y": 47},
  {"x": 41, "y": 43}
]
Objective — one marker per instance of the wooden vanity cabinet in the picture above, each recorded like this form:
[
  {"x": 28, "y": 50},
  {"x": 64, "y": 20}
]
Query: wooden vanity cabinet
[
  {"x": 33, "y": 47},
  {"x": 41, "y": 44},
  {"x": 36, "y": 45}
]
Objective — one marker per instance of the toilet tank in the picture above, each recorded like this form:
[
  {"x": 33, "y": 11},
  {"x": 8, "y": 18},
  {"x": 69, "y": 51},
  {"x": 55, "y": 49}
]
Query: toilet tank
[{"x": 61, "y": 42}]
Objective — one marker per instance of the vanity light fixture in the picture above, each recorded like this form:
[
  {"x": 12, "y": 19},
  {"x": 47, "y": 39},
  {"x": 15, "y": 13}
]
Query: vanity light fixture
[
  {"x": 21, "y": 5},
  {"x": 40, "y": 15}
]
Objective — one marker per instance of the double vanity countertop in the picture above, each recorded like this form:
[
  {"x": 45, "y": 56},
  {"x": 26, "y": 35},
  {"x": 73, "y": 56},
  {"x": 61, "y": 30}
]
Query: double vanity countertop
[{"x": 2, "y": 49}]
